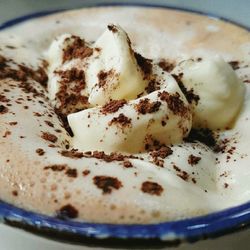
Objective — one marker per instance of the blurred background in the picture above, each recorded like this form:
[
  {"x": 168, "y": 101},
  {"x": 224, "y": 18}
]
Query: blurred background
[{"x": 236, "y": 10}]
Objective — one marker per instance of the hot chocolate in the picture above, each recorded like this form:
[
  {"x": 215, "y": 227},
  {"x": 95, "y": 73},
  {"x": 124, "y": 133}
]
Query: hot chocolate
[{"x": 124, "y": 115}]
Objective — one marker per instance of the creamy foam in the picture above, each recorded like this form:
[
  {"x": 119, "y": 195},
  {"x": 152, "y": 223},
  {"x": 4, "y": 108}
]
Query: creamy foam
[{"x": 40, "y": 172}]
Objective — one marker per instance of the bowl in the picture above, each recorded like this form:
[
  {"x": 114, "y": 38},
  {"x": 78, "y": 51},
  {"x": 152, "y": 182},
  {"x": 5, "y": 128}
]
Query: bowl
[{"x": 170, "y": 233}]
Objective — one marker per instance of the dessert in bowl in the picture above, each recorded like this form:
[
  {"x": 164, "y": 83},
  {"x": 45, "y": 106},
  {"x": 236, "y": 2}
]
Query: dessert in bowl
[{"x": 126, "y": 116}]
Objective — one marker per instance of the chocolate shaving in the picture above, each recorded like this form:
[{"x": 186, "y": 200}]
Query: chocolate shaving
[
  {"x": 74, "y": 154},
  {"x": 121, "y": 120},
  {"x": 71, "y": 172},
  {"x": 193, "y": 160},
  {"x": 145, "y": 106},
  {"x": 49, "y": 137},
  {"x": 107, "y": 183},
  {"x": 162, "y": 152},
  {"x": 85, "y": 172},
  {"x": 151, "y": 188},
  {"x": 40, "y": 151},
  {"x": 113, "y": 106}
]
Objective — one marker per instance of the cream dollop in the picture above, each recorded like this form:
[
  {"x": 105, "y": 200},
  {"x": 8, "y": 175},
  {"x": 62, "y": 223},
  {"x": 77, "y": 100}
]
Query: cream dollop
[
  {"x": 220, "y": 91},
  {"x": 138, "y": 116}
]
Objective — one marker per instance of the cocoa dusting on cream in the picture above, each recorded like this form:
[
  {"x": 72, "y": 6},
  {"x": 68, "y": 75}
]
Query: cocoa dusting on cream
[
  {"x": 104, "y": 76},
  {"x": 145, "y": 106},
  {"x": 113, "y": 106},
  {"x": 152, "y": 86},
  {"x": 166, "y": 65},
  {"x": 121, "y": 120},
  {"x": 180, "y": 173},
  {"x": 193, "y": 160},
  {"x": 73, "y": 75},
  {"x": 49, "y": 137},
  {"x": 76, "y": 49},
  {"x": 127, "y": 164},
  {"x": 107, "y": 183},
  {"x": 175, "y": 104},
  {"x": 49, "y": 123},
  {"x": 71, "y": 172},
  {"x": 74, "y": 154},
  {"x": 162, "y": 152},
  {"x": 56, "y": 167},
  {"x": 151, "y": 188},
  {"x": 152, "y": 144},
  {"x": 85, "y": 172},
  {"x": 69, "y": 96},
  {"x": 22, "y": 72}
]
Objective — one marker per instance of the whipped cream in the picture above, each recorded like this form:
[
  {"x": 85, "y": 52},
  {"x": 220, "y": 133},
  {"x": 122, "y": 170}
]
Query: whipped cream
[
  {"x": 220, "y": 91},
  {"x": 117, "y": 77}
]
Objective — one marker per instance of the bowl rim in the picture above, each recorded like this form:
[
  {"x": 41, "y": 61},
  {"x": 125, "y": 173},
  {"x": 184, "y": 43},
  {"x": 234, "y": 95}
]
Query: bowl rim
[{"x": 192, "y": 229}]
